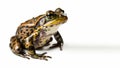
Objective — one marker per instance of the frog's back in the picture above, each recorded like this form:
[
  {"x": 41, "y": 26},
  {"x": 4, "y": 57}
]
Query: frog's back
[{"x": 26, "y": 28}]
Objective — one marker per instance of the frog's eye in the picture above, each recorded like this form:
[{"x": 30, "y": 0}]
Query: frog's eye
[
  {"x": 59, "y": 11},
  {"x": 50, "y": 14},
  {"x": 42, "y": 21}
]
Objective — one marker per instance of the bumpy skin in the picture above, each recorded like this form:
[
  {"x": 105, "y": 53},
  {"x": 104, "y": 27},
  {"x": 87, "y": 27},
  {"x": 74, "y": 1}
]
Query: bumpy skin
[{"x": 36, "y": 33}]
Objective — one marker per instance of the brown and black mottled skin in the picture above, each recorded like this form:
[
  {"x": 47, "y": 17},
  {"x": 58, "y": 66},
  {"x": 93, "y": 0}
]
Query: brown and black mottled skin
[{"x": 27, "y": 35}]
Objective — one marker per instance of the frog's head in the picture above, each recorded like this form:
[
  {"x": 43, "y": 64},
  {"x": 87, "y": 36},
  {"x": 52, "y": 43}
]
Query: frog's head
[
  {"x": 56, "y": 17},
  {"x": 52, "y": 20}
]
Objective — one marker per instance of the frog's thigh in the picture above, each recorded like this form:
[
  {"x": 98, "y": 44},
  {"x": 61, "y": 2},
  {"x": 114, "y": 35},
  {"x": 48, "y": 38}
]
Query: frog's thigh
[{"x": 16, "y": 47}]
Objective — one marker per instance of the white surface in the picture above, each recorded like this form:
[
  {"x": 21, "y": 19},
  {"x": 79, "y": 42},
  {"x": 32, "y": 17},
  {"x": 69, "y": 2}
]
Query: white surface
[{"x": 91, "y": 35}]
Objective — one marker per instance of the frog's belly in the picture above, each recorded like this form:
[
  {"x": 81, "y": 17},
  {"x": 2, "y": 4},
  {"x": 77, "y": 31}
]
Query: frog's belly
[
  {"x": 45, "y": 36},
  {"x": 42, "y": 41}
]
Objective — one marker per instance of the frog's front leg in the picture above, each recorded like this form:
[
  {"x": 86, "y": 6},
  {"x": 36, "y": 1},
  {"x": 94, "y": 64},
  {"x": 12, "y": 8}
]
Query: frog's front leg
[
  {"x": 31, "y": 49},
  {"x": 59, "y": 40}
]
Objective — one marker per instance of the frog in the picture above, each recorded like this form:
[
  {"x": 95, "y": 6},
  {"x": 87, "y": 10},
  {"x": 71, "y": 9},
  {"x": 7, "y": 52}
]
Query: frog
[{"x": 37, "y": 33}]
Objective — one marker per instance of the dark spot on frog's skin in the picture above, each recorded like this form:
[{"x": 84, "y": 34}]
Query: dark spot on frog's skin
[
  {"x": 40, "y": 41},
  {"x": 19, "y": 49},
  {"x": 31, "y": 22},
  {"x": 13, "y": 43},
  {"x": 13, "y": 40},
  {"x": 31, "y": 30},
  {"x": 24, "y": 32},
  {"x": 26, "y": 29},
  {"x": 46, "y": 26},
  {"x": 51, "y": 25},
  {"x": 26, "y": 26},
  {"x": 21, "y": 31},
  {"x": 27, "y": 34},
  {"x": 20, "y": 38}
]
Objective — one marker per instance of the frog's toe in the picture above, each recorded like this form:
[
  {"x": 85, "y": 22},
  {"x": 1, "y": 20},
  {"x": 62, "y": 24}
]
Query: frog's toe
[
  {"x": 44, "y": 57},
  {"x": 24, "y": 56}
]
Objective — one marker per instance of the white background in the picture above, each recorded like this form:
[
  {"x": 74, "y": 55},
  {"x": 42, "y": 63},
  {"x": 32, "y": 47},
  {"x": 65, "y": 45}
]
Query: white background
[{"x": 91, "y": 34}]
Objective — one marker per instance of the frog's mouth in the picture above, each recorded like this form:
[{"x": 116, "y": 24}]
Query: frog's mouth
[{"x": 60, "y": 20}]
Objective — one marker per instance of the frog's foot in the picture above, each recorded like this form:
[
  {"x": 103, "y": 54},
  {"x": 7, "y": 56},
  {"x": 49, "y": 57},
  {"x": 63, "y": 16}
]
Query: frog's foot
[
  {"x": 44, "y": 57},
  {"x": 21, "y": 54},
  {"x": 24, "y": 56},
  {"x": 60, "y": 45},
  {"x": 41, "y": 56}
]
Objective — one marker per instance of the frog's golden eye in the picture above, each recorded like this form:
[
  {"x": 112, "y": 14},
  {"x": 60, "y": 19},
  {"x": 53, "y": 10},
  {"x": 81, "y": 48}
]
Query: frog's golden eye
[
  {"x": 59, "y": 11},
  {"x": 50, "y": 15},
  {"x": 49, "y": 12}
]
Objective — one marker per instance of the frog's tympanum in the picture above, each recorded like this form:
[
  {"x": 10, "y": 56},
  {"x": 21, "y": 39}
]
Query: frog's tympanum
[{"x": 36, "y": 33}]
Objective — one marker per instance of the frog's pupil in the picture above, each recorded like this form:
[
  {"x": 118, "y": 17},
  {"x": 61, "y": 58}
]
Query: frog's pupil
[{"x": 51, "y": 16}]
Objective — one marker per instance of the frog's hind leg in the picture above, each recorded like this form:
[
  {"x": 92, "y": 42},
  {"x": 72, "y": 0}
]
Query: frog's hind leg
[
  {"x": 16, "y": 47},
  {"x": 59, "y": 40}
]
